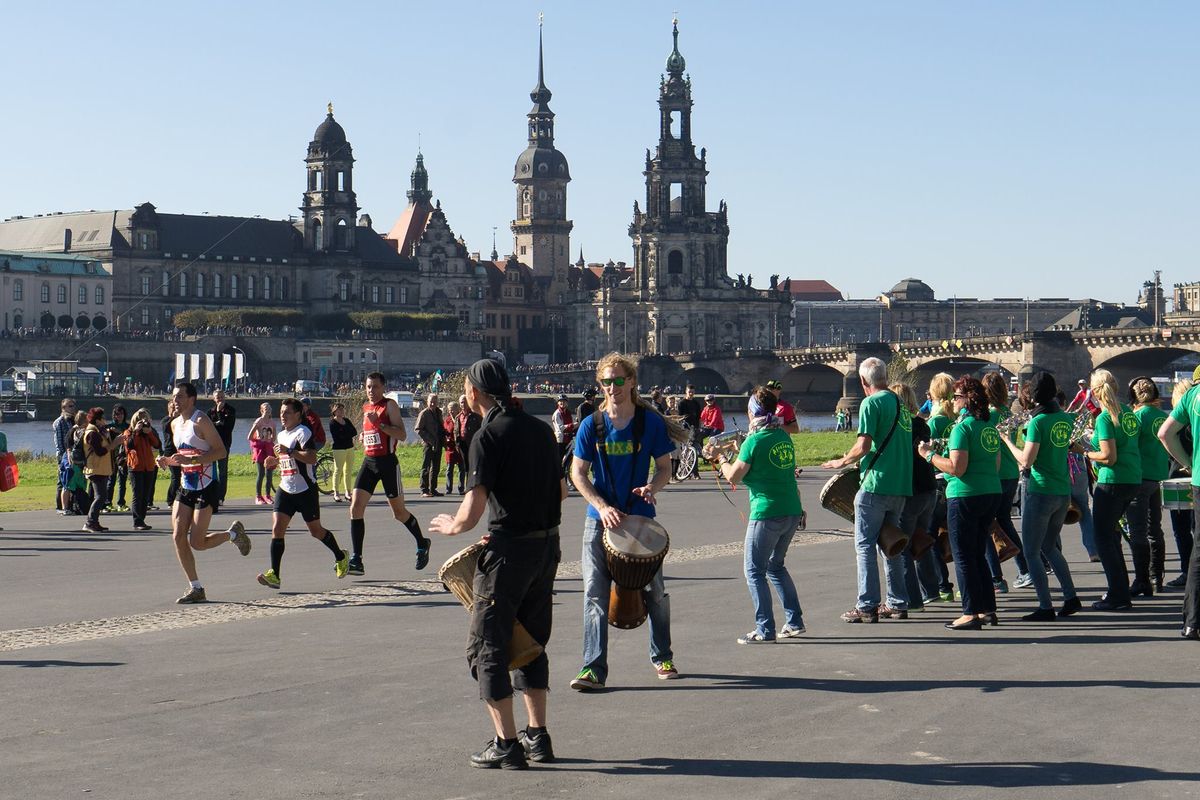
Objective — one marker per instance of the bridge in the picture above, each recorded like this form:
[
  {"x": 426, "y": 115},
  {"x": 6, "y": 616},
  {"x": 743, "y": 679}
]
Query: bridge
[{"x": 818, "y": 379}]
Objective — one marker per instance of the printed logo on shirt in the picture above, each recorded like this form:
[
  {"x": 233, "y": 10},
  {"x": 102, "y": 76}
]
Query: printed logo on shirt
[
  {"x": 990, "y": 439},
  {"x": 619, "y": 448},
  {"x": 1060, "y": 433},
  {"x": 782, "y": 455},
  {"x": 1129, "y": 424},
  {"x": 905, "y": 422},
  {"x": 1156, "y": 423}
]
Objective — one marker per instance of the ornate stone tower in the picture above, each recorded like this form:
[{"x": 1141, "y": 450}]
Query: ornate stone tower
[
  {"x": 329, "y": 205},
  {"x": 676, "y": 242},
  {"x": 541, "y": 231}
]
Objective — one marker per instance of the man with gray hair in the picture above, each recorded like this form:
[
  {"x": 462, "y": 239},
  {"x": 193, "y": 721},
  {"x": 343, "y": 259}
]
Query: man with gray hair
[{"x": 885, "y": 442}]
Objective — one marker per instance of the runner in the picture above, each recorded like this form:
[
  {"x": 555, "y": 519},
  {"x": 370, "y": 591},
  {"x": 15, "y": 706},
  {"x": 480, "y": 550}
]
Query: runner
[
  {"x": 382, "y": 428},
  {"x": 198, "y": 447},
  {"x": 295, "y": 456}
]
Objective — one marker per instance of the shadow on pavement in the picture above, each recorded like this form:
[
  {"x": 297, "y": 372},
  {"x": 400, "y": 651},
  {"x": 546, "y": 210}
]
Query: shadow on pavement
[
  {"x": 850, "y": 686},
  {"x": 50, "y": 662}
]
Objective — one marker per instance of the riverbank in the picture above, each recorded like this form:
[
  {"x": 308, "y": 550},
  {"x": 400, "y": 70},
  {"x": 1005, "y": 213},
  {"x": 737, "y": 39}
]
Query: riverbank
[{"x": 39, "y": 474}]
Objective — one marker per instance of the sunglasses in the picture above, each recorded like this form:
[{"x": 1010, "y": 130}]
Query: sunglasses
[{"x": 612, "y": 381}]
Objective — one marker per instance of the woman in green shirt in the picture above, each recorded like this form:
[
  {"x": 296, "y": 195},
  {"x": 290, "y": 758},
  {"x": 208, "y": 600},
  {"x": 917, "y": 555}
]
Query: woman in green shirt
[
  {"x": 766, "y": 464},
  {"x": 972, "y": 495},
  {"x": 1118, "y": 479},
  {"x": 1047, "y": 496},
  {"x": 941, "y": 392},
  {"x": 1010, "y": 478},
  {"x": 1145, "y": 511}
]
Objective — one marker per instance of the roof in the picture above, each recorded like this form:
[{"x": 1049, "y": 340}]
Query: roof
[
  {"x": 813, "y": 290},
  {"x": 89, "y": 230},
  {"x": 194, "y": 234},
  {"x": 51, "y": 264},
  {"x": 409, "y": 227}
]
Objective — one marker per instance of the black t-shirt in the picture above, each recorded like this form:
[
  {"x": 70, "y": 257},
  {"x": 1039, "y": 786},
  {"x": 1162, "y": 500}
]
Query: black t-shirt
[
  {"x": 343, "y": 433},
  {"x": 224, "y": 420},
  {"x": 924, "y": 479},
  {"x": 515, "y": 456},
  {"x": 690, "y": 411},
  {"x": 585, "y": 410}
]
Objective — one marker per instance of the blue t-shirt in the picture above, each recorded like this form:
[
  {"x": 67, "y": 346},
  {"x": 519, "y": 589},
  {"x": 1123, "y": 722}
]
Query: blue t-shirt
[{"x": 629, "y": 470}]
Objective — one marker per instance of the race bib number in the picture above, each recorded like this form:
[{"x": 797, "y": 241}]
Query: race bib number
[
  {"x": 287, "y": 466},
  {"x": 371, "y": 439}
]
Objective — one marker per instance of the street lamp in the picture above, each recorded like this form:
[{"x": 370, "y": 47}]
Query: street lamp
[
  {"x": 106, "y": 362},
  {"x": 234, "y": 365}
]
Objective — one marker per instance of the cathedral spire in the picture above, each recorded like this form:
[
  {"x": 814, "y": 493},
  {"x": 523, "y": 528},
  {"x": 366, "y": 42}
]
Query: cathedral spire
[
  {"x": 675, "y": 63},
  {"x": 419, "y": 193}
]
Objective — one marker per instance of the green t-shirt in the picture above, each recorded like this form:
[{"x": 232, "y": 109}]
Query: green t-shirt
[
  {"x": 1009, "y": 471},
  {"x": 1050, "y": 473},
  {"x": 3, "y": 442},
  {"x": 772, "y": 476},
  {"x": 891, "y": 473},
  {"x": 981, "y": 441},
  {"x": 939, "y": 424},
  {"x": 1156, "y": 461},
  {"x": 1128, "y": 468},
  {"x": 1187, "y": 413}
]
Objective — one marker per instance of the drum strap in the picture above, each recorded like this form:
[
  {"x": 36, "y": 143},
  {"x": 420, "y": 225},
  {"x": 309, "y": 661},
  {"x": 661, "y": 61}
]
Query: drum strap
[
  {"x": 887, "y": 438},
  {"x": 601, "y": 434}
]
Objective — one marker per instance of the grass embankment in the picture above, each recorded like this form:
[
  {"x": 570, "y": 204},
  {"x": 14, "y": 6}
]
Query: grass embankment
[{"x": 39, "y": 475}]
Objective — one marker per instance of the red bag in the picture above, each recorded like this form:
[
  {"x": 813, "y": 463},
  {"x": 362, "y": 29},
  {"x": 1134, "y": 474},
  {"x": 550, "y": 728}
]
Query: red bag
[{"x": 10, "y": 473}]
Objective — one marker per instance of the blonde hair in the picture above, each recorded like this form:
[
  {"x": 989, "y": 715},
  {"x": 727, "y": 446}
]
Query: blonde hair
[
  {"x": 141, "y": 413},
  {"x": 1144, "y": 391},
  {"x": 1180, "y": 390},
  {"x": 1104, "y": 389},
  {"x": 907, "y": 396},
  {"x": 941, "y": 391},
  {"x": 628, "y": 366}
]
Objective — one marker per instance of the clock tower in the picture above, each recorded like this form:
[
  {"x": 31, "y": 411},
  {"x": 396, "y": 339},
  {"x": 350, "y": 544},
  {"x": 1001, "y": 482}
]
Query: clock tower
[{"x": 541, "y": 231}]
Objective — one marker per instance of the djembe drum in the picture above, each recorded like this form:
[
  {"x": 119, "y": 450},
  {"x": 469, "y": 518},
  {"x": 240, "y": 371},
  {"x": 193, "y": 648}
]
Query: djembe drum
[{"x": 634, "y": 553}]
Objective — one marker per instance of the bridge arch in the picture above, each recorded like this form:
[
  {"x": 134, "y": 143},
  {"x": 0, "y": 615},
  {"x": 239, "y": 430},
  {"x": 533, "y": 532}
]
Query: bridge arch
[
  {"x": 1152, "y": 361},
  {"x": 813, "y": 387},
  {"x": 956, "y": 366},
  {"x": 703, "y": 378}
]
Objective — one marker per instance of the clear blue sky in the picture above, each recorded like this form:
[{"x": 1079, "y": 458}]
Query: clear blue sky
[{"x": 992, "y": 149}]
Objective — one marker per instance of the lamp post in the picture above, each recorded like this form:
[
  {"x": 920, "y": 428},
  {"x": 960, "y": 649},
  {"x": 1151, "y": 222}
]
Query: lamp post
[
  {"x": 106, "y": 362},
  {"x": 234, "y": 365}
]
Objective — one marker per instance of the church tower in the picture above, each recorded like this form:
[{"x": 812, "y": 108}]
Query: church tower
[
  {"x": 541, "y": 231},
  {"x": 676, "y": 242},
  {"x": 329, "y": 205}
]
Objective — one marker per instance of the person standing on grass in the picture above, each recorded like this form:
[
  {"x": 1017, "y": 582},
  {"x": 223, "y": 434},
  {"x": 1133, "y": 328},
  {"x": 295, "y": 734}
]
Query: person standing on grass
[
  {"x": 62, "y": 443},
  {"x": 262, "y": 444},
  {"x": 140, "y": 442},
  {"x": 224, "y": 418},
  {"x": 99, "y": 466},
  {"x": 343, "y": 433}
]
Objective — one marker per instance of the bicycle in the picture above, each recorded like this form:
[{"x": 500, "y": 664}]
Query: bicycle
[
  {"x": 688, "y": 458},
  {"x": 324, "y": 472}
]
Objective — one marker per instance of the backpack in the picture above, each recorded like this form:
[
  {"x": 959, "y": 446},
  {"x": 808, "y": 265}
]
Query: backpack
[
  {"x": 639, "y": 428},
  {"x": 78, "y": 455}
]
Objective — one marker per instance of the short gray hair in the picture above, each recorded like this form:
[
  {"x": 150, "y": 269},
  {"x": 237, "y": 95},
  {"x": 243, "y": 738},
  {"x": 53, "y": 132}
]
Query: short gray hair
[{"x": 874, "y": 372}]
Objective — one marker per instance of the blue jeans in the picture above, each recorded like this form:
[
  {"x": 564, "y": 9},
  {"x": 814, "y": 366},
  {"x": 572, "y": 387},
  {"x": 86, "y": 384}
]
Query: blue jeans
[
  {"x": 969, "y": 519},
  {"x": 597, "y": 586},
  {"x": 921, "y": 576},
  {"x": 1083, "y": 498},
  {"x": 1042, "y": 518},
  {"x": 871, "y": 511},
  {"x": 767, "y": 542}
]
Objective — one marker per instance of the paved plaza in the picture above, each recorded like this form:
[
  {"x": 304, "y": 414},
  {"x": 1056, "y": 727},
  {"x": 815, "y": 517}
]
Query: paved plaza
[{"x": 359, "y": 688}]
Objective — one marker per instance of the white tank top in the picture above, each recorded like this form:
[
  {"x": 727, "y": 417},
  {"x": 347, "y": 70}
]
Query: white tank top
[
  {"x": 294, "y": 476},
  {"x": 195, "y": 476}
]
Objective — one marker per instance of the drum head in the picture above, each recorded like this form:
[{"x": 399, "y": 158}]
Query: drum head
[{"x": 640, "y": 537}]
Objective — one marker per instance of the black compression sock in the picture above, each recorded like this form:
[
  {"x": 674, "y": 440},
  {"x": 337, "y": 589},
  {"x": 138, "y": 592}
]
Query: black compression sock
[
  {"x": 276, "y": 554},
  {"x": 414, "y": 528},
  {"x": 332, "y": 544},
  {"x": 358, "y": 532}
]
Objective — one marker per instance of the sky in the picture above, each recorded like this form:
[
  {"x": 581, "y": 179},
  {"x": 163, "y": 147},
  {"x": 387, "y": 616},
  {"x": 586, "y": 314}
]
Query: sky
[{"x": 1016, "y": 149}]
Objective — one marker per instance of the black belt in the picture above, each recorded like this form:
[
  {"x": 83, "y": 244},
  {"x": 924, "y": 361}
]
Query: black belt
[{"x": 544, "y": 533}]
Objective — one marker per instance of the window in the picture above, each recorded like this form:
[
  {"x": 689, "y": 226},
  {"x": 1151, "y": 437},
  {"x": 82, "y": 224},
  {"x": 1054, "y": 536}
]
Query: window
[
  {"x": 675, "y": 263},
  {"x": 505, "y": 321},
  {"x": 167, "y": 314},
  {"x": 520, "y": 321},
  {"x": 403, "y": 295},
  {"x": 145, "y": 285},
  {"x": 145, "y": 316},
  {"x": 200, "y": 285},
  {"x": 389, "y": 295},
  {"x": 216, "y": 290},
  {"x": 318, "y": 241},
  {"x": 522, "y": 249},
  {"x": 18, "y": 321},
  {"x": 375, "y": 294},
  {"x": 82, "y": 295},
  {"x": 266, "y": 287},
  {"x": 341, "y": 181},
  {"x": 344, "y": 291},
  {"x": 62, "y": 294},
  {"x": 99, "y": 295},
  {"x": 45, "y": 293},
  {"x": 250, "y": 287},
  {"x": 490, "y": 320},
  {"x": 673, "y": 124},
  {"x": 676, "y": 197},
  {"x": 283, "y": 288},
  {"x": 233, "y": 286},
  {"x": 18, "y": 289},
  {"x": 164, "y": 288},
  {"x": 183, "y": 287}
]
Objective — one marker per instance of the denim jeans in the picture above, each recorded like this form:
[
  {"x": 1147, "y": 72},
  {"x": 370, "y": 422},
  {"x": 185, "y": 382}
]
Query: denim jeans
[
  {"x": 871, "y": 511},
  {"x": 1082, "y": 496},
  {"x": 1008, "y": 491},
  {"x": 597, "y": 586},
  {"x": 1146, "y": 532},
  {"x": 921, "y": 576},
  {"x": 1111, "y": 502},
  {"x": 1042, "y": 518},
  {"x": 970, "y": 519},
  {"x": 767, "y": 542}
]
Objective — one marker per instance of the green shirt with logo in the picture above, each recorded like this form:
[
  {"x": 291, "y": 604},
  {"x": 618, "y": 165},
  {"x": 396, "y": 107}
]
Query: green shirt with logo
[
  {"x": 1156, "y": 461},
  {"x": 1124, "y": 434},
  {"x": 1009, "y": 470},
  {"x": 1050, "y": 472},
  {"x": 891, "y": 473},
  {"x": 1187, "y": 414},
  {"x": 772, "y": 476},
  {"x": 939, "y": 426},
  {"x": 981, "y": 442}
]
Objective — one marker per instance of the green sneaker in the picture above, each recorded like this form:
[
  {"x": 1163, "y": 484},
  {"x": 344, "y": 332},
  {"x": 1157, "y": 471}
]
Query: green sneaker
[
  {"x": 342, "y": 565},
  {"x": 946, "y": 597},
  {"x": 666, "y": 670},
  {"x": 586, "y": 681},
  {"x": 269, "y": 578}
]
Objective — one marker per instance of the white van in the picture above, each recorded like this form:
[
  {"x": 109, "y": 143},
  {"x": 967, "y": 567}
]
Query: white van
[
  {"x": 403, "y": 399},
  {"x": 309, "y": 388}
]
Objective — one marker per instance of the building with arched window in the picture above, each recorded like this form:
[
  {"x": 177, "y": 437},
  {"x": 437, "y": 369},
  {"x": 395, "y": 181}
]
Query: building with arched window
[{"x": 73, "y": 288}]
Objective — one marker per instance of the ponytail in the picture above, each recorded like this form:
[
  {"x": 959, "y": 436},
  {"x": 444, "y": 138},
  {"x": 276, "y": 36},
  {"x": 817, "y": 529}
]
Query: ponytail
[{"x": 1104, "y": 388}]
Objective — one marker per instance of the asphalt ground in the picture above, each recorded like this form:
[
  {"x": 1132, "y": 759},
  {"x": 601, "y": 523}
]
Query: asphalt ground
[{"x": 359, "y": 688}]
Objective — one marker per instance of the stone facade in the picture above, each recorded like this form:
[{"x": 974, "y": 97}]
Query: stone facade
[{"x": 46, "y": 290}]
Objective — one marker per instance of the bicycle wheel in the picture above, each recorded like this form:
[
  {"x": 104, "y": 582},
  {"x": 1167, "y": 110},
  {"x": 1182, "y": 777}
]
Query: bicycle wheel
[
  {"x": 324, "y": 471},
  {"x": 687, "y": 462},
  {"x": 568, "y": 459}
]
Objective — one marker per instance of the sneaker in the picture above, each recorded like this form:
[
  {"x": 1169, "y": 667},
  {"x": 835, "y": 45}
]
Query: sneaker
[
  {"x": 586, "y": 681},
  {"x": 666, "y": 670},
  {"x": 355, "y": 567},
  {"x": 858, "y": 615},
  {"x": 423, "y": 554},
  {"x": 193, "y": 596},
  {"x": 259, "y": 500},
  {"x": 435, "y": 493},
  {"x": 269, "y": 579},
  {"x": 1000, "y": 586},
  {"x": 497, "y": 755},
  {"x": 946, "y": 597},
  {"x": 90, "y": 528},
  {"x": 887, "y": 612},
  {"x": 1023, "y": 581},
  {"x": 788, "y": 632},
  {"x": 237, "y": 535},
  {"x": 342, "y": 566},
  {"x": 754, "y": 637},
  {"x": 537, "y": 748},
  {"x": 142, "y": 527},
  {"x": 461, "y": 491},
  {"x": 122, "y": 508},
  {"x": 1177, "y": 583},
  {"x": 1070, "y": 607}
]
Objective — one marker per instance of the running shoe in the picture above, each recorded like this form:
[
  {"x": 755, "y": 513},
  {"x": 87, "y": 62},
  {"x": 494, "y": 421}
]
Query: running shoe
[
  {"x": 537, "y": 747},
  {"x": 356, "y": 566},
  {"x": 193, "y": 596},
  {"x": 946, "y": 597},
  {"x": 423, "y": 553},
  {"x": 142, "y": 527},
  {"x": 887, "y": 612},
  {"x": 237, "y": 535},
  {"x": 586, "y": 681},
  {"x": 497, "y": 756},
  {"x": 1023, "y": 581},
  {"x": 861, "y": 615},
  {"x": 1000, "y": 586},
  {"x": 122, "y": 508},
  {"x": 754, "y": 637},
  {"x": 788, "y": 632},
  {"x": 666, "y": 670},
  {"x": 342, "y": 566},
  {"x": 269, "y": 579},
  {"x": 259, "y": 500}
]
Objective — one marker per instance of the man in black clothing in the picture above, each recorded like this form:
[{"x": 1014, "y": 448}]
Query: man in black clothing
[
  {"x": 514, "y": 474},
  {"x": 224, "y": 418},
  {"x": 587, "y": 407},
  {"x": 689, "y": 408}
]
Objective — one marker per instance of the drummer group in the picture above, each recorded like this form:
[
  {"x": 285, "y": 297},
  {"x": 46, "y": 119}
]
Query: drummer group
[{"x": 962, "y": 469}]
